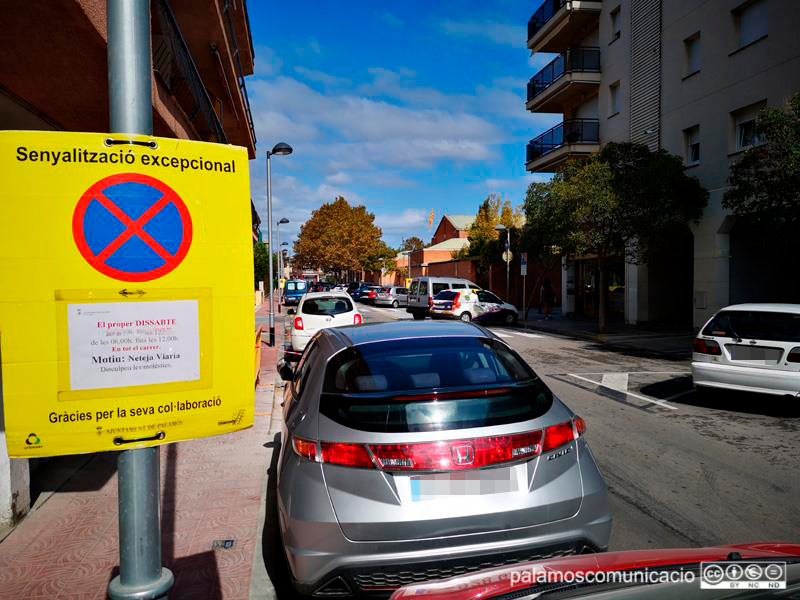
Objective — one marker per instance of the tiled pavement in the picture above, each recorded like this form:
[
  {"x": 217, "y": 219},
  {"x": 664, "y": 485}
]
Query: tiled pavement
[{"x": 211, "y": 490}]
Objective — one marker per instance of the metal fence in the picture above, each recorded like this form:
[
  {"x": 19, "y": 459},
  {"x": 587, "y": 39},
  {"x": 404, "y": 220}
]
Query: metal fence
[
  {"x": 575, "y": 59},
  {"x": 571, "y": 131}
]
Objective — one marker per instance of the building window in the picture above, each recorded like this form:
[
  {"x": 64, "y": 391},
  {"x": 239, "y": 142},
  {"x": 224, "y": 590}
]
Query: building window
[
  {"x": 691, "y": 138},
  {"x": 744, "y": 121},
  {"x": 613, "y": 98},
  {"x": 691, "y": 46},
  {"x": 616, "y": 24},
  {"x": 750, "y": 21}
]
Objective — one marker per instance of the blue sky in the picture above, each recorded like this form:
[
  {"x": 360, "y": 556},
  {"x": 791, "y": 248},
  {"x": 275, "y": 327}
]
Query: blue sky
[{"x": 401, "y": 107}]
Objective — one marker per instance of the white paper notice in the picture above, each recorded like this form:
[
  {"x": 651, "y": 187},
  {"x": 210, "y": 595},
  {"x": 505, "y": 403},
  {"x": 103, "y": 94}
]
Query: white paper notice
[{"x": 133, "y": 343}]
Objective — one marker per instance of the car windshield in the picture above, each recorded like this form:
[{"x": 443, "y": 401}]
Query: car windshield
[
  {"x": 326, "y": 305},
  {"x": 476, "y": 382},
  {"x": 755, "y": 325}
]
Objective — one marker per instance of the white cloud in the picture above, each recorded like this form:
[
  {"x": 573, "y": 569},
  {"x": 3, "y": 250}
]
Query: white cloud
[
  {"x": 340, "y": 178},
  {"x": 398, "y": 223},
  {"x": 391, "y": 20},
  {"x": 266, "y": 63},
  {"x": 320, "y": 77},
  {"x": 495, "y": 31}
]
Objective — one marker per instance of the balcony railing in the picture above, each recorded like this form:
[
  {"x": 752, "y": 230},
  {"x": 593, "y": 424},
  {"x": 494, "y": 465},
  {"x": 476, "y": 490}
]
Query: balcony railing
[
  {"x": 571, "y": 131},
  {"x": 545, "y": 12},
  {"x": 173, "y": 61},
  {"x": 575, "y": 59},
  {"x": 238, "y": 60},
  {"x": 543, "y": 15}
]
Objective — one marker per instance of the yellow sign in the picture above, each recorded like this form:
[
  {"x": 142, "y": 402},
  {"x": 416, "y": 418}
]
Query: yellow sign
[
  {"x": 408, "y": 282},
  {"x": 281, "y": 282},
  {"x": 125, "y": 291}
]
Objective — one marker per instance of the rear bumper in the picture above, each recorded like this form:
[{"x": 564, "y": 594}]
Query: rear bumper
[
  {"x": 299, "y": 341},
  {"x": 289, "y": 300},
  {"x": 318, "y": 552},
  {"x": 374, "y": 582},
  {"x": 747, "y": 379}
]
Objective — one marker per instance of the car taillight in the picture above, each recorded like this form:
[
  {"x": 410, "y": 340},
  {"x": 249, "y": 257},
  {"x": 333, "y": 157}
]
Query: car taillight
[
  {"x": 457, "y": 300},
  {"x": 430, "y": 301},
  {"x": 559, "y": 435},
  {"x": 298, "y": 323},
  {"x": 456, "y": 455},
  {"x": 794, "y": 355},
  {"x": 373, "y": 295},
  {"x": 305, "y": 449},
  {"x": 702, "y": 346},
  {"x": 346, "y": 455},
  {"x": 357, "y": 320}
]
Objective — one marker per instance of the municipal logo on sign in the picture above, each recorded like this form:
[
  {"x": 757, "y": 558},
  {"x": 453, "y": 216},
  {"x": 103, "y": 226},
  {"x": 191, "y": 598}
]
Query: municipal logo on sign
[{"x": 132, "y": 227}]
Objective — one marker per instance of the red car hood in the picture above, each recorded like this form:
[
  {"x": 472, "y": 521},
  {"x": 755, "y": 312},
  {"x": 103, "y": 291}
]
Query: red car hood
[{"x": 494, "y": 582}]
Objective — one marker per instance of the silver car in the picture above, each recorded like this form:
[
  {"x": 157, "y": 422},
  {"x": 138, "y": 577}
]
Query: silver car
[
  {"x": 419, "y": 450},
  {"x": 393, "y": 296}
]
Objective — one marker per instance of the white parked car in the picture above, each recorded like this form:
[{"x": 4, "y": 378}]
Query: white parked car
[
  {"x": 319, "y": 310},
  {"x": 473, "y": 305},
  {"x": 750, "y": 347}
]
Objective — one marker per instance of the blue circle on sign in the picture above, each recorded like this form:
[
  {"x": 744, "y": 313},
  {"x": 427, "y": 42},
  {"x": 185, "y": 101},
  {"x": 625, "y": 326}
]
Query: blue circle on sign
[{"x": 132, "y": 227}]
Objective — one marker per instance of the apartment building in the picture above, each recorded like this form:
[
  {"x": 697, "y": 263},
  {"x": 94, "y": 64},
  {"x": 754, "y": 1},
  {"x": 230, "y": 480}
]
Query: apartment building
[
  {"x": 54, "y": 76},
  {"x": 688, "y": 76}
]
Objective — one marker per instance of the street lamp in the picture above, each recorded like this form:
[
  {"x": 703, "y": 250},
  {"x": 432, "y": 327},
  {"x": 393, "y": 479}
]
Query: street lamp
[
  {"x": 280, "y": 149},
  {"x": 281, "y": 263},
  {"x": 500, "y": 229},
  {"x": 283, "y": 221}
]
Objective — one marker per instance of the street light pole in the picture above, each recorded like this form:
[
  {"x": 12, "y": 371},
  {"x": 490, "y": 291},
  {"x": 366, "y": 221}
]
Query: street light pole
[
  {"x": 131, "y": 111},
  {"x": 280, "y": 149},
  {"x": 508, "y": 261},
  {"x": 269, "y": 260}
]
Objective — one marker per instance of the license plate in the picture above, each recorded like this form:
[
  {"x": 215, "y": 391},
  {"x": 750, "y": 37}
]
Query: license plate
[
  {"x": 757, "y": 354},
  {"x": 477, "y": 483}
]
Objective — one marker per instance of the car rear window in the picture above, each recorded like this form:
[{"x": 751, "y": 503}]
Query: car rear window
[
  {"x": 438, "y": 287},
  {"x": 290, "y": 286},
  {"x": 755, "y": 325},
  {"x": 326, "y": 305},
  {"x": 414, "y": 286},
  {"x": 446, "y": 295},
  {"x": 431, "y": 384},
  {"x": 301, "y": 285}
]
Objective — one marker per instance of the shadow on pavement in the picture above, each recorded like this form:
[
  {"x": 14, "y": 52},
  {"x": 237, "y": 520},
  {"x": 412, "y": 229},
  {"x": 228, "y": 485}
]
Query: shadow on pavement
[
  {"x": 271, "y": 547},
  {"x": 668, "y": 387},
  {"x": 768, "y": 405},
  {"x": 75, "y": 473}
]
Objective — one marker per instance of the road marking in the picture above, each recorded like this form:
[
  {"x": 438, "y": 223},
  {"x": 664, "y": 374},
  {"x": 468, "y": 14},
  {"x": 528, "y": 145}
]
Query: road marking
[
  {"x": 631, "y": 394},
  {"x": 518, "y": 333},
  {"x": 615, "y": 381},
  {"x": 643, "y": 373},
  {"x": 502, "y": 335}
]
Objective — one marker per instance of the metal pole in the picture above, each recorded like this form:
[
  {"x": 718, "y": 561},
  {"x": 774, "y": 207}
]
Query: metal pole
[
  {"x": 141, "y": 575},
  {"x": 280, "y": 261},
  {"x": 508, "y": 259},
  {"x": 525, "y": 300},
  {"x": 269, "y": 242}
]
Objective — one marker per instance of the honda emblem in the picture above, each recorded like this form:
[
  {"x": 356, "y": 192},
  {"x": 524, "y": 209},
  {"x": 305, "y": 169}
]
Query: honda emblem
[{"x": 463, "y": 454}]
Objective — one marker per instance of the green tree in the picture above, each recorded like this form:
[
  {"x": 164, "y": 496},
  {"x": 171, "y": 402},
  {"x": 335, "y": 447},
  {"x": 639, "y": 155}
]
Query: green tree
[
  {"x": 412, "y": 243},
  {"x": 765, "y": 181},
  {"x": 380, "y": 259},
  {"x": 338, "y": 237},
  {"x": 261, "y": 263},
  {"x": 619, "y": 202}
]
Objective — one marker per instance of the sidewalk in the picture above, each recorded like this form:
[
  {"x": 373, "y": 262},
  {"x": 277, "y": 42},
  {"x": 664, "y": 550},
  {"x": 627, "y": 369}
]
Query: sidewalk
[
  {"x": 67, "y": 547},
  {"x": 654, "y": 340}
]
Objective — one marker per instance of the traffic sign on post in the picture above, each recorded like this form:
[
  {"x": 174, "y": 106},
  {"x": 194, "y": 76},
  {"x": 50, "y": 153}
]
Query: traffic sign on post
[
  {"x": 523, "y": 263},
  {"x": 126, "y": 321}
]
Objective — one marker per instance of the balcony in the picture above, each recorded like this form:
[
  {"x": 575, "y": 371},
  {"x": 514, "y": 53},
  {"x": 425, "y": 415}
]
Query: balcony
[
  {"x": 573, "y": 138},
  {"x": 564, "y": 80},
  {"x": 559, "y": 24}
]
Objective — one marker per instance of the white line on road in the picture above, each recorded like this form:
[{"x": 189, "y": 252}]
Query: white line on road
[
  {"x": 502, "y": 335},
  {"x": 647, "y": 373},
  {"x": 519, "y": 333},
  {"x": 615, "y": 381},
  {"x": 638, "y": 396}
]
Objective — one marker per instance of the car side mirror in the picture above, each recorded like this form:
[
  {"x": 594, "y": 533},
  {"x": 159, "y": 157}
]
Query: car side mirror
[
  {"x": 291, "y": 311},
  {"x": 286, "y": 372}
]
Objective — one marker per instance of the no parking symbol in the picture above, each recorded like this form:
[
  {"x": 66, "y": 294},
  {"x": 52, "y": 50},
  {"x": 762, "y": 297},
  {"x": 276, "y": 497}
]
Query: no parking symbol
[{"x": 132, "y": 227}]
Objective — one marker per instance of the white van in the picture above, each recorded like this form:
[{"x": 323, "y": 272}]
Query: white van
[{"x": 423, "y": 289}]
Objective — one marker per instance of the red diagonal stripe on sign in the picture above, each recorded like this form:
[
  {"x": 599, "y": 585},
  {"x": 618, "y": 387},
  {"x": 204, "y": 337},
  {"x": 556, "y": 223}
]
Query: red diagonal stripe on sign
[{"x": 133, "y": 227}]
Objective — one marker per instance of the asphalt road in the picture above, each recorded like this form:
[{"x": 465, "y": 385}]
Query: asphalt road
[{"x": 682, "y": 469}]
